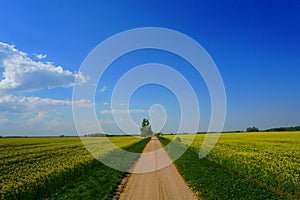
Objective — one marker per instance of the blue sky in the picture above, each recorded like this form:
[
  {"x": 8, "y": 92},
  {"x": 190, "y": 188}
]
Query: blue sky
[{"x": 254, "y": 44}]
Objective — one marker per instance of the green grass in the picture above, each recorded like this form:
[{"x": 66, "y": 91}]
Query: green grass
[
  {"x": 35, "y": 168},
  {"x": 242, "y": 166}
]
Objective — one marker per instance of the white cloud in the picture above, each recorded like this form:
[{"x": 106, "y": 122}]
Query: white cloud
[
  {"x": 103, "y": 89},
  {"x": 21, "y": 115},
  {"x": 40, "y": 56},
  {"x": 123, "y": 111},
  {"x": 18, "y": 104},
  {"x": 40, "y": 116},
  {"x": 21, "y": 73},
  {"x": 105, "y": 104}
]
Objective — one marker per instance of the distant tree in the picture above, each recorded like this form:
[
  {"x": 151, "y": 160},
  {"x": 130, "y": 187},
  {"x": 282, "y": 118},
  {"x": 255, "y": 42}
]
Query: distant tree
[
  {"x": 296, "y": 128},
  {"x": 146, "y": 130},
  {"x": 95, "y": 135},
  {"x": 252, "y": 129},
  {"x": 159, "y": 133},
  {"x": 145, "y": 122}
]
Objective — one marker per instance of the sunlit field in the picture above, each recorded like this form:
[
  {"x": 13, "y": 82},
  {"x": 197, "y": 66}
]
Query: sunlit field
[
  {"x": 268, "y": 159},
  {"x": 37, "y": 167}
]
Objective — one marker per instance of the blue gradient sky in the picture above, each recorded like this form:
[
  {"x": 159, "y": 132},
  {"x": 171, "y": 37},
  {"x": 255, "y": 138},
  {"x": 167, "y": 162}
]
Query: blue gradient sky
[{"x": 254, "y": 44}]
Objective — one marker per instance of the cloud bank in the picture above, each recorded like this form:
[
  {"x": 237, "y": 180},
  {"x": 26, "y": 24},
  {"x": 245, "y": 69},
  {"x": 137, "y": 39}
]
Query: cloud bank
[
  {"x": 15, "y": 104},
  {"x": 21, "y": 73}
]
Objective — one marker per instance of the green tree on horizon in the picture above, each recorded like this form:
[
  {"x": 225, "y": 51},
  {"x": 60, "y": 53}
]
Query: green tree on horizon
[{"x": 146, "y": 130}]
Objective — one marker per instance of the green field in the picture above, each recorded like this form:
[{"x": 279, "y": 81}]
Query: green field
[
  {"x": 59, "y": 168},
  {"x": 254, "y": 165}
]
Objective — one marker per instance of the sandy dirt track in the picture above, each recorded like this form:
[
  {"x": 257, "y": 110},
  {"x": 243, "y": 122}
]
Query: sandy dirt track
[{"x": 165, "y": 183}]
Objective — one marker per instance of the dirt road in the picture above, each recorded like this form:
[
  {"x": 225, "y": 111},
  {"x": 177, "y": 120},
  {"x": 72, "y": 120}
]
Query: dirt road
[{"x": 165, "y": 183}]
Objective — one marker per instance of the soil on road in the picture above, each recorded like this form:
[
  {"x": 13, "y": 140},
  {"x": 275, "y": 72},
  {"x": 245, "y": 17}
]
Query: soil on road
[{"x": 165, "y": 183}]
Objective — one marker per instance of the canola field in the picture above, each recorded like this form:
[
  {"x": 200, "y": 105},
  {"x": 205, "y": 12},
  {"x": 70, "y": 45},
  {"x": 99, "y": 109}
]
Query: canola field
[
  {"x": 32, "y": 168},
  {"x": 270, "y": 159}
]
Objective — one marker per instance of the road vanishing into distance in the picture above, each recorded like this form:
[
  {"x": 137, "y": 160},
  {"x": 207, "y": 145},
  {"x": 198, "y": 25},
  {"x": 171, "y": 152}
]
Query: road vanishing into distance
[{"x": 165, "y": 183}]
